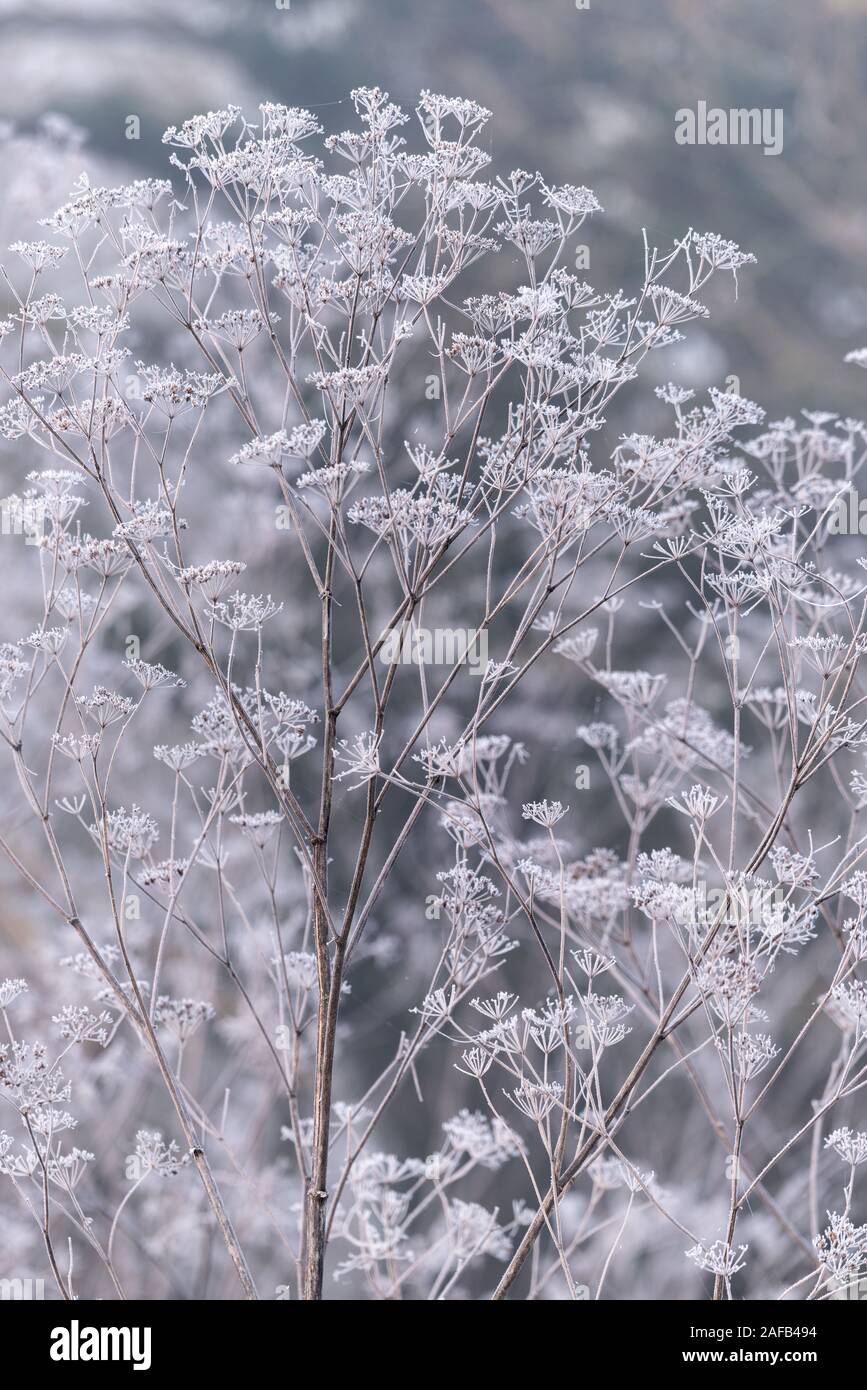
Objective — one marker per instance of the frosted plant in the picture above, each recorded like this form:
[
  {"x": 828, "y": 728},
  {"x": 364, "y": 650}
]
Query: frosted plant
[{"x": 301, "y": 876}]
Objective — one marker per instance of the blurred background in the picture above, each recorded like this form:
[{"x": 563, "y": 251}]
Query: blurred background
[{"x": 588, "y": 94}]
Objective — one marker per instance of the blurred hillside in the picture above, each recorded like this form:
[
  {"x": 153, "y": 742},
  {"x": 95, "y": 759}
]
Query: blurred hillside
[{"x": 588, "y": 94}]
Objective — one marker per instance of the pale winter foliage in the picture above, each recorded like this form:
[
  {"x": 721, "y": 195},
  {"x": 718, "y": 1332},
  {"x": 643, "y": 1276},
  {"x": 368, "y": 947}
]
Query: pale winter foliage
[{"x": 319, "y": 987}]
